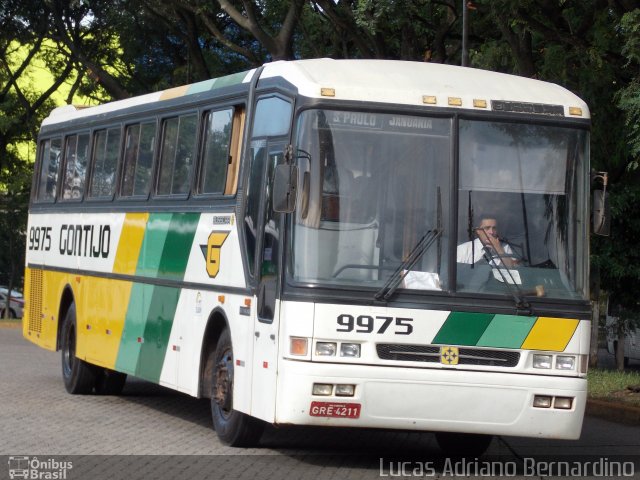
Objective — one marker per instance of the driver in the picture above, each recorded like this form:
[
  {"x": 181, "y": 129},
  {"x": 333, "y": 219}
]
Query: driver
[{"x": 487, "y": 244}]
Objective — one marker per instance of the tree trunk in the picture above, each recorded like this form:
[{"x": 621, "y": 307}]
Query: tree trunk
[
  {"x": 620, "y": 351},
  {"x": 595, "y": 324},
  {"x": 595, "y": 317}
]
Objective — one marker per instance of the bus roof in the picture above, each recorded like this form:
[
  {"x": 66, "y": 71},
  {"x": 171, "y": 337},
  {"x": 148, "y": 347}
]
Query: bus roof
[{"x": 382, "y": 81}]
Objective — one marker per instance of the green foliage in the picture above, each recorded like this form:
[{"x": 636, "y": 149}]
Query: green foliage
[
  {"x": 119, "y": 48},
  {"x": 603, "y": 383},
  {"x": 629, "y": 96},
  {"x": 618, "y": 256}
]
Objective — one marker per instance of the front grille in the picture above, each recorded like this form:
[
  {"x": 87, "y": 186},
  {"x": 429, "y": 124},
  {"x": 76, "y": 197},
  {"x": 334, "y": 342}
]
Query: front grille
[
  {"x": 35, "y": 301},
  {"x": 431, "y": 353}
]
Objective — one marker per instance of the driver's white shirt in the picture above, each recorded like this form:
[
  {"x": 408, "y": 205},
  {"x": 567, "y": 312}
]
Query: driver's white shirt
[{"x": 465, "y": 252}]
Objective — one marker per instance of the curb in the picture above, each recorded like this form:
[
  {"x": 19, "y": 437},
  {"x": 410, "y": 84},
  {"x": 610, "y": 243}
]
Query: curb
[
  {"x": 11, "y": 323},
  {"x": 614, "y": 412}
]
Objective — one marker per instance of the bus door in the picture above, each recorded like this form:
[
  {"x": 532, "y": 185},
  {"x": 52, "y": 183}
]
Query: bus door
[
  {"x": 269, "y": 136},
  {"x": 266, "y": 320}
]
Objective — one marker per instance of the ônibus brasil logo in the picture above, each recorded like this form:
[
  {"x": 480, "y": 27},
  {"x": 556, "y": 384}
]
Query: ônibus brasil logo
[{"x": 34, "y": 468}]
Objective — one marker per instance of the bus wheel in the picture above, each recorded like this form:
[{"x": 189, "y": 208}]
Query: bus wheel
[
  {"x": 463, "y": 444},
  {"x": 110, "y": 382},
  {"x": 234, "y": 428},
  {"x": 79, "y": 377}
]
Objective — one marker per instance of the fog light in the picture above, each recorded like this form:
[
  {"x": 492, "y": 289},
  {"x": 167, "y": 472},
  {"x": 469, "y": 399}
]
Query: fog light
[
  {"x": 345, "y": 390},
  {"x": 565, "y": 363},
  {"x": 563, "y": 402},
  {"x": 323, "y": 389},
  {"x": 541, "y": 401},
  {"x": 542, "y": 361},
  {"x": 298, "y": 346},
  {"x": 350, "y": 350},
  {"x": 326, "y": 349}
]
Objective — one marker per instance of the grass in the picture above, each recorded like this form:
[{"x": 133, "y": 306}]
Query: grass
[
  {"x": 612, "y": 385},
  {"x": 10, "y": 323}
]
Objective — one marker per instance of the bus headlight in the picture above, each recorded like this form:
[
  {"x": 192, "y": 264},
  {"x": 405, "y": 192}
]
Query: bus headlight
[
  {"x": 326, "y": 349},
  {"x": 542, "y": 361},
  {"x": 350, "y": 350},
  {"x": 565, "y": 363}
]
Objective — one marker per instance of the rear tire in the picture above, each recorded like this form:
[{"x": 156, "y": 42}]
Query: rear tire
[
  {"x": 79, "y": 377},
  {"x": 234, "y": 428},
  {"x": 110, "y": 382},
  {"x": 463, "y": 444}
]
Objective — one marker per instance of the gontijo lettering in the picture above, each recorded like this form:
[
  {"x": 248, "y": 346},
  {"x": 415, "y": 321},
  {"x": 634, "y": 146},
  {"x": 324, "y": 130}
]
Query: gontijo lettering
[{"x": 85, "y": 240}]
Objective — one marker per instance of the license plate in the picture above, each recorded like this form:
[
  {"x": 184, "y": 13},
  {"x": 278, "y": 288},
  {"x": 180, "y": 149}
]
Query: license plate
[{"x": 335, "y": 410}]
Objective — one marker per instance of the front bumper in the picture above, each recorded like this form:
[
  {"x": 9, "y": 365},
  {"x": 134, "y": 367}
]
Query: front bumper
[{"x": 451, "y": 400}]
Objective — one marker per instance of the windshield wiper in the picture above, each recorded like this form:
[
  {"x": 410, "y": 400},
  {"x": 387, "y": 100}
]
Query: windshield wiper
[
  {"x": 512, "y": 286},
  {"x": 392, "y": 284}
]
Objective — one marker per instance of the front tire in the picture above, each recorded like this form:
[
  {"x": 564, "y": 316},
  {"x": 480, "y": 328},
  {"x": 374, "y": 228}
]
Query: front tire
[
  {"x": 79, "y": 377},
  {"x": 234, "y": 428}
]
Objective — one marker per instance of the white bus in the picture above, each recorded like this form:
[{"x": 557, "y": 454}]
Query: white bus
[{"x": 284, "y": 241}]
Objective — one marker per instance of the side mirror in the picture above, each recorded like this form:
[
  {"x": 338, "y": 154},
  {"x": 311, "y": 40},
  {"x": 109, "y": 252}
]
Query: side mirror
[
  {"x": 601, "y": 213},
  {"x": 285, "y": 188}
]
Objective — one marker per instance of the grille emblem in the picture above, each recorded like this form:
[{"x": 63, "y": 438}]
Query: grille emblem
[{"x": 449, "y": 355}]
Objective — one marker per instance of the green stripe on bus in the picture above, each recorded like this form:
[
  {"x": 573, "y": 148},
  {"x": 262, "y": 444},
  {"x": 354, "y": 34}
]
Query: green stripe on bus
[
  {"x": 506, "y": 331},
  {"x": 153, "y": 244},
  {"x": 159, "y": 320},
  {"x": 233, "y": 79},
  {"x": 177, "y": 246},
  {"x": 462, "y": 328},
  {"x": 134, "y": 328}
]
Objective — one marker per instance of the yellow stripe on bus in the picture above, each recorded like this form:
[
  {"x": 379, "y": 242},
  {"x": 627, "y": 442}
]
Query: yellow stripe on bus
[
  {"x": 102, "y": 308},
  {"x": 550, "y": 334},
  {"x": 130, "y": 242},
  {"x": 174, "y": 92}
]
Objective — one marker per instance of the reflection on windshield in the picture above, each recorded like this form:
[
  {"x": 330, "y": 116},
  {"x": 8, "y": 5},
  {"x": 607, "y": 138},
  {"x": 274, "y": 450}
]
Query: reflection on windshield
[
  {"x": 372, "y": 185},
  {"x": 520, "y": 202}
]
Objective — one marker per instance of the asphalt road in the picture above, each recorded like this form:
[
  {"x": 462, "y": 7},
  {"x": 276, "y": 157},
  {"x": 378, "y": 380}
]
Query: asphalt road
[{"x": 153, "y": 432}]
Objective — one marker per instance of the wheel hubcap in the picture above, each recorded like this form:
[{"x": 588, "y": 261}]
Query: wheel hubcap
[{"x": 223, "y": 389}]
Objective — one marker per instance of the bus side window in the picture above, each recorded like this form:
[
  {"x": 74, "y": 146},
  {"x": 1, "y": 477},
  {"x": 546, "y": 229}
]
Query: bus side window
[
  {"x": 217, "y": 157},
  {"x": 50, "y": 153},
  {"x": 177, "y": 154},
  {"x": 75, "y": 159},
  {"x": 105, "y": 161},
  {"x": 138, "y": 159}
]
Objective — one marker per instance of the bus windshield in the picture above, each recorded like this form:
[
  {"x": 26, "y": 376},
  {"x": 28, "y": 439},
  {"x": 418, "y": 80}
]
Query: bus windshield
[{"x": 375, "y": 185}]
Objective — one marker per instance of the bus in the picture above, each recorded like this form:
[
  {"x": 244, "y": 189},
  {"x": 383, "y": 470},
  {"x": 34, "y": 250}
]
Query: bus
[{"x": 284, "y": 242}]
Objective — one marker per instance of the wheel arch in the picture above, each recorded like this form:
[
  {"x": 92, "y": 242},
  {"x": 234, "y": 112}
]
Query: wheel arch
[
  {"x": 216, "y": 323},
  {"x": 66, "y": 300}
]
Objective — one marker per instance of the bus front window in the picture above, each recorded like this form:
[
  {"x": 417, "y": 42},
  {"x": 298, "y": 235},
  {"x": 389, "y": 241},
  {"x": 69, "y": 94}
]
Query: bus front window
[
  {"x": 522, "y": 186},
  {"x": 372, "y": 186}
]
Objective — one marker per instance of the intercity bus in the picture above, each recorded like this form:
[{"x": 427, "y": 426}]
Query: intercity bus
[{"x": 283, "y": 241}]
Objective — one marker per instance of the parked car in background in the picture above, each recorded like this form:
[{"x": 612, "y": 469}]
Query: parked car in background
[
  {"x": 631, "y": 341},
  {"x": 16, "y": 306}
]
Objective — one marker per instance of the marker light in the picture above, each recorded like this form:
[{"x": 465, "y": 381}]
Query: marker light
[
  {"x": 350, "y": 350},
  {"x": 542, "y": 401},
  {"x": 323, "y": 389},
  {"x": 565, "y": 363},
  {"x": 345, "y": 390},
  {"x": 326, "y": 349},
  {"x": 542, "y": 361},
  {"x": 563, "y": 403},
  {"x": 298, "y": 346}
]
